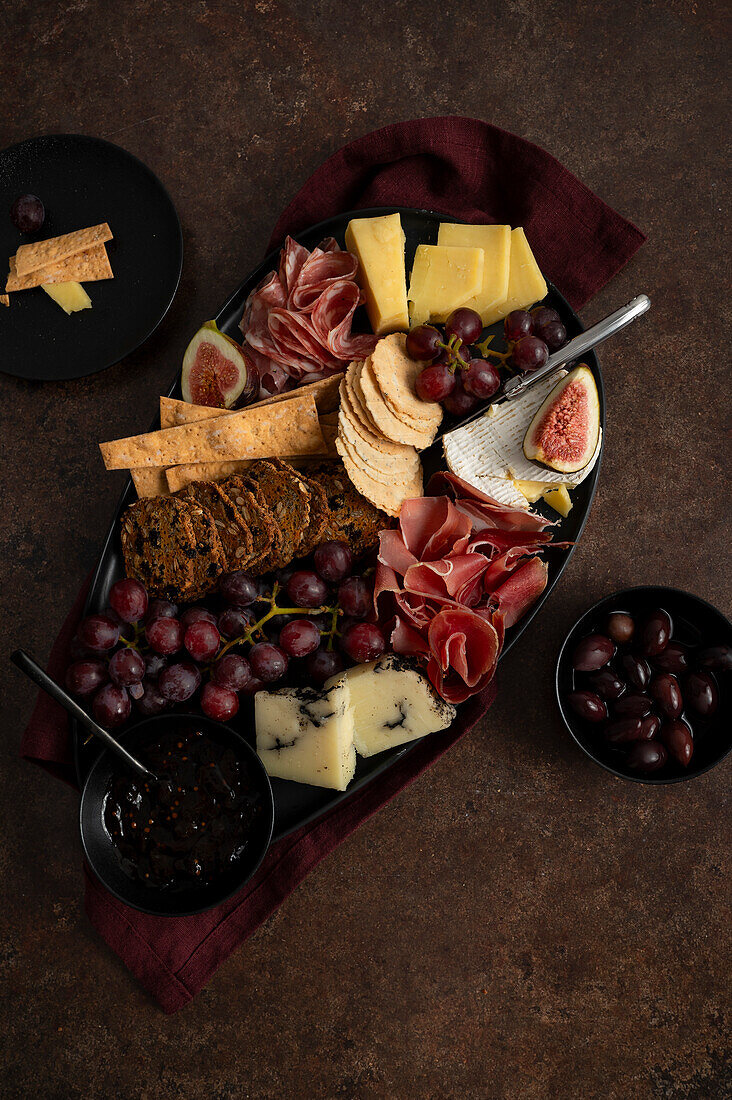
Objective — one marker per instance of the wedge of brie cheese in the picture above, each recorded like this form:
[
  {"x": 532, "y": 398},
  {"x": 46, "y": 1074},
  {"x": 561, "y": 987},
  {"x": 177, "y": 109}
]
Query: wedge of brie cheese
[
  {"x": 307, "y": 735},
  {"x": 391, "y": 703},
  {"x": 491, "y": 448}
]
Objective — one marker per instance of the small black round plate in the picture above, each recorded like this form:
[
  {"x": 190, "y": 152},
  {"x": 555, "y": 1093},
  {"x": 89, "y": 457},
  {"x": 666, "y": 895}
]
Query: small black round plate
[{"x": 84, "y": 181}]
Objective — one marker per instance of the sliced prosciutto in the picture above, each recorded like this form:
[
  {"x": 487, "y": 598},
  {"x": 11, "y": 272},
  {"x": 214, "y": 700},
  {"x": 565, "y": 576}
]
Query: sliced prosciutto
[
  {"x": 298, "y": 319},
  {"x": 458, "y": 570}
]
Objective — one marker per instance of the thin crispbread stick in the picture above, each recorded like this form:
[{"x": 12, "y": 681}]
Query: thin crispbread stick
[
  {"x": 30, "y": 257},
  {"x": 289, "y": 428},
  {"x": 174, "y": 412},
  {"x": 150, "y": 481},
  {"x": 88, "y": 266}
]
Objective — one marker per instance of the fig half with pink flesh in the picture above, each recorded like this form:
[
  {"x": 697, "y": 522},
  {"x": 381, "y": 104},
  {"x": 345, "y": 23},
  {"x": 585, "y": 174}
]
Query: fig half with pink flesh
[
  {"x": 216, "y": 371},
  {"x": 566, "y": 427}
]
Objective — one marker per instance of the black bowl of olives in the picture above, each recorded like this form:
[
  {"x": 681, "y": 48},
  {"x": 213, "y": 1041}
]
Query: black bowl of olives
[{"x": 644, "y": 684}]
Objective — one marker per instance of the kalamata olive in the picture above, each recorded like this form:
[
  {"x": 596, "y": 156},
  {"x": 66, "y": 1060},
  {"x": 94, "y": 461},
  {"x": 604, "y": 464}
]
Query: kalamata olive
[
  {"x": 675, "y": 658},
  {"x": 649, "y": 727},
  {"x": 588, "y": 706},
  {"x": 665, "y": 689},
  {"x": 636, "y": 669},
  {"x": 700, "y": 692},
  {"x": 646, "y": 756},
  {"x": 677, "y": 738},
  {"x": 620, "y": 627},
  {"x": 593, "y": 652},
  {"x": 718, "y": 657},
  {"x": 624, "y": 730},
  {"x": 655, "y": 633},
  {"x": 606, "y": 684},
  {"x": 633, "y": 705}
]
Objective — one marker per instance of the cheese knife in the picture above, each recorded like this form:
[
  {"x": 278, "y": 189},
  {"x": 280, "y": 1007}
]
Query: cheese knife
[{"x": 519, "y": 383}]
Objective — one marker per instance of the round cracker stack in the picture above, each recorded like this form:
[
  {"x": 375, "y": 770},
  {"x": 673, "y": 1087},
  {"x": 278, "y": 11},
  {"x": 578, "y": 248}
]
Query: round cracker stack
[{"x": 382, "y": 424}]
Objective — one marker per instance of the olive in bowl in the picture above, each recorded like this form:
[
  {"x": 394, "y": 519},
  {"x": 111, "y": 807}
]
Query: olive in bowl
[{"x": 644, "y": 684}]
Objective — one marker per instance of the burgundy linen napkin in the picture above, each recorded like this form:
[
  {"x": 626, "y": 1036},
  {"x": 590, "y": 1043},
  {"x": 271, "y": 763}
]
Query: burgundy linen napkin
[{"x": 457, "y": 166}]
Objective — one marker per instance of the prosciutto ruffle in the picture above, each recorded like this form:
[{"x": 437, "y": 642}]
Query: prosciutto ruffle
[
  {"x": 297, "y": 321},
  {"x": 459, "y": 569}
]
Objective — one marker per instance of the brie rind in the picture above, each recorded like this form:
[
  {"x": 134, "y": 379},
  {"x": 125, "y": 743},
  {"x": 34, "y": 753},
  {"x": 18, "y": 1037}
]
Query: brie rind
[
  {"x": 493, "y": 446},
  {"x": 392, "y": 703},
  {"x": 307, "y": 735}
]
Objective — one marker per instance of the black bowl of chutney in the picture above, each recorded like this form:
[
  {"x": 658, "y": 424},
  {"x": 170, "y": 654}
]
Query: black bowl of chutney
[
  {"x": 697, "y": 628},
  {"x": 193, "y": 839}
]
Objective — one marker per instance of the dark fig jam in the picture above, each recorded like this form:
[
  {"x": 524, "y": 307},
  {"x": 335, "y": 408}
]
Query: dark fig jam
[{"x": 194, "y": 823}]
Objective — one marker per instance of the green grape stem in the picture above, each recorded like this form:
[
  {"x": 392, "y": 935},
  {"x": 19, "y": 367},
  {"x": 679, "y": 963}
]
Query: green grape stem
[{"x": 247, "y": 638}]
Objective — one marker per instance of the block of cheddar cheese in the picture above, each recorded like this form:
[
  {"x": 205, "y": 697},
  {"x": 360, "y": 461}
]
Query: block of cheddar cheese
[
  {"x": 378, "y": 245},
  {"x": 495, "y": 242},
  {"x": 443, "y": 278},
  {"x": 526, "y": 283}
]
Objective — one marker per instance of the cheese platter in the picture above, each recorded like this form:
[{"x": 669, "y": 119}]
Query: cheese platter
[{"x": 299, "y": 802}]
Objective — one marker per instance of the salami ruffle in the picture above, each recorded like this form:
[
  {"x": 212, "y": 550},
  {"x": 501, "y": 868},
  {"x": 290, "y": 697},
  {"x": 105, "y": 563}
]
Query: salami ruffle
[
  {"x": 453, "y": 576},
  {"x": 297, "y": 321}
]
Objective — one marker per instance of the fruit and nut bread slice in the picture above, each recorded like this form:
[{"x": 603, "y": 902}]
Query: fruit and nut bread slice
[
  {"x": 319, "y": 514},
  {"x": 171, "y": 546},
  {"x": 287, "y": 499},
  {"x": 262, "y": 526},
  {"x": 353, "y": 519},
  {"x": 236, "y": 539}
]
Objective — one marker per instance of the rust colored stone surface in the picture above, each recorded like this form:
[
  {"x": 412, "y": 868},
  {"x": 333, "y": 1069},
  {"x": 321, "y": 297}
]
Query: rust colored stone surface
[{"x": 517, "y": 924}]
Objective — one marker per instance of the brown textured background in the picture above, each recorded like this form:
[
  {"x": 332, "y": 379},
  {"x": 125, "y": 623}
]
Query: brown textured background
[{"x": 517, "y": 923}]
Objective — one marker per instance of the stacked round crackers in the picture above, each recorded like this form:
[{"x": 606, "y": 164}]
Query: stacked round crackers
[{"x": 382, "y": 425}]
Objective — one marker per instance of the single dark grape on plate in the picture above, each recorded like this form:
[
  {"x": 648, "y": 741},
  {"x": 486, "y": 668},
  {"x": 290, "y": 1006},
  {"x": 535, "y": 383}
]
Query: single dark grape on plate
[
  {"x": 269, "y": 662},
  {"x": 647, "y": 756},
  {"x": 160, "y": 609},
  {"x": 128, "y": 599},
  {"x": 232, "y": 671},
  {"x": 197, "y": 615},
  {"x": 179, "y": 682},
  {"x": 464, "y": 323},
  {"x": 233, "y": 622},
  {"x": 28, "y": 214},
  {"x": 165, "y": 636},
  {"x": 435, "y": 383},
  {"x": 84, "y": 677},
  {"x": 238, "y": 588},
  {"x": 333, "y": 560},
  {"x": 363, "y": 642},
  {"x": 111, "y": 706},
  {"x": 322, "y": 664},
  {"x": 529, "y": 353},
  {"x": 592, "y": 653},
  {"x": 480, "y": 378},
  {"x": 126, "y": 667},
  {"x": 518, "y": 323},
  {"x": 355, "y": 598},
  {"x": 459, "y": 402},
  {"x": 423, "y": 343},
  {"x": 154, "y": 664},
  {"x": 554, "y": 335},
  {"x": 299, "y": 638},
  {"x": 202, "y": 640},
  {"x": 306, "y": 589},
  {"x": 700, "y": 692},
  {"x": 98, "y": 633},
  {"x": 219, "y": 703},
  {"x": 676, "y": 736}
]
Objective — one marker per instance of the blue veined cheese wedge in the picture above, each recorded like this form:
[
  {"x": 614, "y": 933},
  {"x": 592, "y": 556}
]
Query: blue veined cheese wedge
[
  {"x": 391, "y": 703},
  {"x": 378, "y": 245},
  {"x": 495, "y": 241},
  {"x": 443, "y": 278},
  {"x": 307, "y": 735}
]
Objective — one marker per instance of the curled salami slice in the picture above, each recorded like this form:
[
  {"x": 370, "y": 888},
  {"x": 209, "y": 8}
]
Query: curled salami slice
[
  {"x": 332, "y": 316},
  {"x": 318, "y": 272},
  {"x": 292, "y": 257}
]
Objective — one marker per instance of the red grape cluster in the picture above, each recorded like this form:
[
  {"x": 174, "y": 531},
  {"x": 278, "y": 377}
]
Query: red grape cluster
[
  {"x": 459, "y": 375},
  {"x": 219, "y": 653}
]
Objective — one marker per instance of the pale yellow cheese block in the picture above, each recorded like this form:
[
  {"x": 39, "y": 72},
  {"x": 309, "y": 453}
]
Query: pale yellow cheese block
[
  {"x": 495, "y": 241},
  {"x": 443, "y": 278},
  {"x": 525, "y": 281},
  {"x": 378, "y": 245},
  {"x": 70, "y": 296},
  {"x": 557, "y": 496}
]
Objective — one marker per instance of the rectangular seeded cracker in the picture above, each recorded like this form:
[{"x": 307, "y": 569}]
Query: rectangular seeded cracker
[
  {"x": 88, "y": 266},
  {"x": 291, "y": 428},
  {"x": 174, "y": 412},
  {"x": 30, "y": 257}
]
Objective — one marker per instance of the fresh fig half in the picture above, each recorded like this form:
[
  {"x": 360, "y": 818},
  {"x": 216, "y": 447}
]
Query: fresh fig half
[
  {"x": 564, "y": 432},
  {"x": 216, "y": 371}
]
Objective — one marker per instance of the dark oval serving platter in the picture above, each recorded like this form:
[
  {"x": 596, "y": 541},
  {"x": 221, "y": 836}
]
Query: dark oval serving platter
[{"x": 296, "y": 804}]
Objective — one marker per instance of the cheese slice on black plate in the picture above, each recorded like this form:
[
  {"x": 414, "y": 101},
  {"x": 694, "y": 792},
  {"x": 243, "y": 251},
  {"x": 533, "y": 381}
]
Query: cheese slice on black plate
[
  {"x": 306, "y": 735},
  {"x": 391, "y": 703}
]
